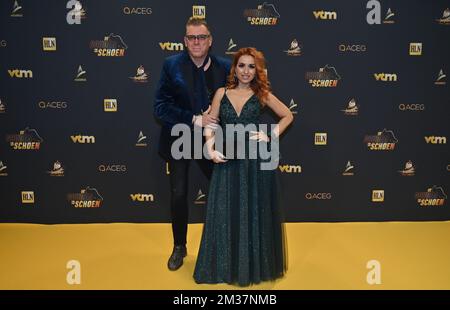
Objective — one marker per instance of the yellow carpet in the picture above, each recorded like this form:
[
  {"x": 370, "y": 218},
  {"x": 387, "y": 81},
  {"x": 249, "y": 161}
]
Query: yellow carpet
[{"x": 412, "y": 255}]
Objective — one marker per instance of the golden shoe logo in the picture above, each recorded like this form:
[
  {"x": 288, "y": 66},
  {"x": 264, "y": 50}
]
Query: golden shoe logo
[
  {"x": 82, "y": 139},
  {"x": 87, "y": 198},
  {"x": 142, "y": 197},
  {"x": 435, "y": 140},
  {"x": 111, "y": 46},
  {"x": 265, "y": 15},
  {"x": 409, "y": 170},
  {"x": 3, "y": 172},
  {"x": 57, "y": 170},
  {"x": 434, "y": 196},
  {"x": 384, "y": 140},
  {"x": 294, "y": 49},
  {"x": 27, "y": 139},
  {"x": 141, "y": 76},
  {"x": 352, "y": 108},
  {"x": 385, "y": 77},
  {"x": 445, "y": 19},
  {"x": 325, "y": 15},
  {"x": 20, "y": 74},
  {"x": 325, "y": 77}
]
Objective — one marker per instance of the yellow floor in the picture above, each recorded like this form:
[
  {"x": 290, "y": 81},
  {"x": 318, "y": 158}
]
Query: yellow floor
[{"x": 412, "y": 255}]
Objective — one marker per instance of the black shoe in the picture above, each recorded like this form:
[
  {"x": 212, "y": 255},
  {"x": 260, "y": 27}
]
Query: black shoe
[{"x": 176, "y": 259}]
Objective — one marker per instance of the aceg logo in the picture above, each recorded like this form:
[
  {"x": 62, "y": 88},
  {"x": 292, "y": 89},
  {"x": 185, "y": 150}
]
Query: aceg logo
[
  {"x": 411, "y": 107},
  {"x": 137, "y": 11},
  {"x": 352, "y": 47},
  {"x": 112, "y": 168},
  {"x": 318, "y": 196},
  {"x": 52, "y": 104}
]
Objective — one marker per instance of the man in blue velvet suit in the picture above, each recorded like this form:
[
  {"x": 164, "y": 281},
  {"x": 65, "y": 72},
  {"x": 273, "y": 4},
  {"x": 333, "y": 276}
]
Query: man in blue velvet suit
[{"x": 187, "y": 85}]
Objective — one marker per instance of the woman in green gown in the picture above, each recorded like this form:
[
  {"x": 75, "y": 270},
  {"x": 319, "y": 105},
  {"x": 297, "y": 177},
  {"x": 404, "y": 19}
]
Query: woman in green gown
[{"x": 243, "y": 239}]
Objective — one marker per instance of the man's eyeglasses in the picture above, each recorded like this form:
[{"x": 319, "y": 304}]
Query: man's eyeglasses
[{"x": 200, "y": 37}]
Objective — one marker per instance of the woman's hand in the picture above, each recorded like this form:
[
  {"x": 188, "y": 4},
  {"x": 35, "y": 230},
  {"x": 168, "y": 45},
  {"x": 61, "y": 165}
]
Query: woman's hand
[
  {"x": 217, "y": 157},
  {"x": 259, "y": 136}
]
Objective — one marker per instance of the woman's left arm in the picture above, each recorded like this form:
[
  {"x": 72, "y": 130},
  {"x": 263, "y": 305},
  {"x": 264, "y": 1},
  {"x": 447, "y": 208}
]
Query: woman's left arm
[{"x": 283, "y": 112}]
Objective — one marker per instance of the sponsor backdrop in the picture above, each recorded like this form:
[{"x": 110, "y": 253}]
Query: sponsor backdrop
[{"x": 366, "y": 80}]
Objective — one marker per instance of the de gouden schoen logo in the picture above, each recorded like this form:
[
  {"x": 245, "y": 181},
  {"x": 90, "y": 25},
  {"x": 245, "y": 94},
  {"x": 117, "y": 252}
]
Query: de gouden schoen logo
[
  {"x": 384, "y": 140},
  {"x": 87, "y": 198}
]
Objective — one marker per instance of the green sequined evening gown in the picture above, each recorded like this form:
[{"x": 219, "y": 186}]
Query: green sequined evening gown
[{"x": 243, "y": 237}]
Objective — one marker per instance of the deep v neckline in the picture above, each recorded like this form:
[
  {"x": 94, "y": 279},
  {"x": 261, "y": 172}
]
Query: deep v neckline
[{"x": 243, "y": 106}]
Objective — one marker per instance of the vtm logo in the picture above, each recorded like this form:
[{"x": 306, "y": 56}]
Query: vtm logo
[
  {"x": 385, "y": 77},
  {"x": 83, "y": 139},
  {"x": 325, "y": 15},
  {"x": 435, "y": 140},
  {"x": 18, "y": 73},
  {"x": 290, "y": 168},
  {"x": 142, "y": 197},
  {"x": 171, "y": 46}
]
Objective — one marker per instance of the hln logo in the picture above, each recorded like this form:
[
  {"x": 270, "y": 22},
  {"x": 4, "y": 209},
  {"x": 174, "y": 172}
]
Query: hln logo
[
  {"x": 49, "y": 44},
  {"x": 170, "y": 46},
  {"x": 17, "y": 73},
  {"x": 142, "y": 197},
  {"x": 325, "y": 15},
  {"x": 27, "y": 196},
  {"x": 199, "y": 11},
  {"x": 378, "y": 195},
  {"x": 83, "y": 139},
  {"x": 320, "y": 138},
  {"x": 386, "y": 77},
  {"x": 415, "y": 49},
  {"x": 110, "y": 105},
  {"x": 436, "y": 140}
]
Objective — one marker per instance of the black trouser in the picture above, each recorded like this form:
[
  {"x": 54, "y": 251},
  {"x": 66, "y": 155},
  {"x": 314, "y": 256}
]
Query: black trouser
[{"x": 179, "y": 188}]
